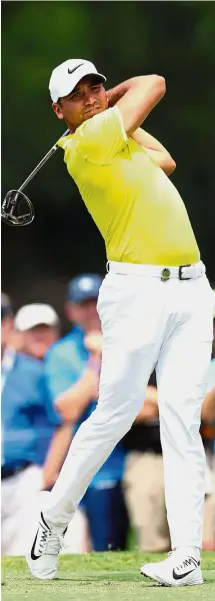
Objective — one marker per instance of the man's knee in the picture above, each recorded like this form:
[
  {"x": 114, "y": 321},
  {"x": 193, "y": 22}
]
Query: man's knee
[{"x": 116, "y": 422}]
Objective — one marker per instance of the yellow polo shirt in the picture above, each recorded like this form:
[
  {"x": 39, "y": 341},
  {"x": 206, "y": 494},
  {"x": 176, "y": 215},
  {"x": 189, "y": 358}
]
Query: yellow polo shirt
[{"x": 136, "y": 207}]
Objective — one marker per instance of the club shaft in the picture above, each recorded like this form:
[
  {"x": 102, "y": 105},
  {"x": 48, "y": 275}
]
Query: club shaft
[{"x": 42, "y": 162}]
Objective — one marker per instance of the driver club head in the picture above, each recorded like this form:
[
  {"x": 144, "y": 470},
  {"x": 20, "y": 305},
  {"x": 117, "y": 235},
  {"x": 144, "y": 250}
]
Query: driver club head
[{"x": 17, "y": 209}]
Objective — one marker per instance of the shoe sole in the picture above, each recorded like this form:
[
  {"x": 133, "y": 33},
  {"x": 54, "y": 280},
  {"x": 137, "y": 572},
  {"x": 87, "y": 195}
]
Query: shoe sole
[{"x": 161, "y": 582}]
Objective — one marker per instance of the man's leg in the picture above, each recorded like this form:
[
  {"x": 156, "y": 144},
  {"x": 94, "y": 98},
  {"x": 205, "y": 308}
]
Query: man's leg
[
  {"x": 131, "y": 340},
  {"x": 98, "y": 435},
  {"x": 181, "y": 375},
  {"x": 132, "y": 326},
  {"x": 90, "y": 447},
  {"x": 182, "y": 379}
]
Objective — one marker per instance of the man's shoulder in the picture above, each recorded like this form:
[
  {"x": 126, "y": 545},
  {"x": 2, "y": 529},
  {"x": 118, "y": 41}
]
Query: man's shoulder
[
  {"x": 96, "y": 123},
  {"x": 97, "y": 140},
  {"x": 30, "y": 364},
  {"x": 28, "y": 373},
  {"x": 84, "y": 133}
]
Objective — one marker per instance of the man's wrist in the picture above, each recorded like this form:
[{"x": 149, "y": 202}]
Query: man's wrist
[
  {"x": 114, "y": 94},
  {"x": 94, "y": 363}
]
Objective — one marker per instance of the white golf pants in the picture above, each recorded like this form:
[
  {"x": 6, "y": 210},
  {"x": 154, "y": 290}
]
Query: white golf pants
[{"x": 147, "y": 323}]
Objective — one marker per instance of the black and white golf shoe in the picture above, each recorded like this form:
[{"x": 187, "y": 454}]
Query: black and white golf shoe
[
  {"x": 178, "y": 569},
  {"x": 42, "y": 559}
]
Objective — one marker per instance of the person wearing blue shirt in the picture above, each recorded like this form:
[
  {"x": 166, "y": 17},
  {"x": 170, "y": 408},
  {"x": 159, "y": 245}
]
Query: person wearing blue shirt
[
  {"x": 72, "y": 370},
  {"x": 30, "y": 425}
]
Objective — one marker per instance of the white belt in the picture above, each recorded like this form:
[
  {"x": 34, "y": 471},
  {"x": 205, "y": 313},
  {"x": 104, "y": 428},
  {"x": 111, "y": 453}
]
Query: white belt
[{"x": 181, "y": 272}]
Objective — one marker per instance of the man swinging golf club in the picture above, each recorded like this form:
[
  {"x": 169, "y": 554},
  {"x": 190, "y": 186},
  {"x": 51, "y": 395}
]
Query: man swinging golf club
[{"x": 155, "y": 306}]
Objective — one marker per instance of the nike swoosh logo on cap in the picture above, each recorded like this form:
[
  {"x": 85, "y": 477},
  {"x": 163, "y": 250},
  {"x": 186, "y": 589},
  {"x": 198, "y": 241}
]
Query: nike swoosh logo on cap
[{"x": 70, "y": 71}]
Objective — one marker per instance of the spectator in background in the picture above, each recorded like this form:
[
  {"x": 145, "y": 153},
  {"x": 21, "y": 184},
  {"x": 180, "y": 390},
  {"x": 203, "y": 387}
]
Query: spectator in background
[
  {"x": 208, "y": 435},
  {"x": 34, "y": 441},
  {"x": 73, "y": 368},
  {"x": 144, "y": 477},
  {"x": 9, "y": 343}
]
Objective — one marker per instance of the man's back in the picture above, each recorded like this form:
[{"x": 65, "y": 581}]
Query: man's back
[{"x": 136, "y": 207}]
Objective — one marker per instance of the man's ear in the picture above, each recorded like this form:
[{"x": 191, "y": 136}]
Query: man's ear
[{"x": 57, "y": 110}]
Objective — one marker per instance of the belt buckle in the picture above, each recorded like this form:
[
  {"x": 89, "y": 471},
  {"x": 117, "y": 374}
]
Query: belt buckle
[
  {"x": 180, "y": 272},
  {"x": 165, "y": 274}
]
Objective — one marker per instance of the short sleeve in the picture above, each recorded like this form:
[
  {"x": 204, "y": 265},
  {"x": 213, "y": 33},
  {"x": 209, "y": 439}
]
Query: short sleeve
[
  {"x": 53, "y": 418},
  {"x": 99, "y": 139},
  {"x": 59, "y": 372}
]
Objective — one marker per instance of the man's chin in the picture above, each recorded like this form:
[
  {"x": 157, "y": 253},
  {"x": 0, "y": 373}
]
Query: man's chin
[{"x": 90, "y": 114}]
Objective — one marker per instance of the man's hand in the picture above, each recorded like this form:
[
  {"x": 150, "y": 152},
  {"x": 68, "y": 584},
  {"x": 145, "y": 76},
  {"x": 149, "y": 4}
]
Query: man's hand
[
  {"x": 208, "y": 407},
  {"x": 72, "y": 402},
  {"x": 93, "y": 342},
  {"x": 149, "y": 411}
]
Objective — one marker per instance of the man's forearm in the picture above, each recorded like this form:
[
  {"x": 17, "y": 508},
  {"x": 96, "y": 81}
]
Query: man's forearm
[
  {"x": 71, "y": 403},
  {"x": 155, "y": 149},
  {"x": 114, "y": 94},
  {"x": 145, "y": 139},
  {"x": 56, "y": 455}
]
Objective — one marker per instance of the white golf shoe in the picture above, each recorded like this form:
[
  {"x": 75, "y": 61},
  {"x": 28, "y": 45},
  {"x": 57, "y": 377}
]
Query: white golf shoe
[
  {"x": 178, "y": 569},
  {"x": 42, "y": 559}
]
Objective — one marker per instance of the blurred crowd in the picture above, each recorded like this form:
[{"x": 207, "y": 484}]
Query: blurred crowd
[{"x": 49, "y": 387}]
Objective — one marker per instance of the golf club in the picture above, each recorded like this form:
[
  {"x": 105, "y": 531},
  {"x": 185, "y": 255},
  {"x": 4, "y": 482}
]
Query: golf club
[{"x": 13, "y": 198}]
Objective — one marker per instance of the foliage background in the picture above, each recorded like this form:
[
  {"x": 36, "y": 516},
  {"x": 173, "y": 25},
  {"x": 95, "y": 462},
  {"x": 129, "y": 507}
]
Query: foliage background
[{"x": 175, "y": 39}]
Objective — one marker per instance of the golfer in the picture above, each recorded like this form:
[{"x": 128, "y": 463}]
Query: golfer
[{"x": 155, "y": 306}]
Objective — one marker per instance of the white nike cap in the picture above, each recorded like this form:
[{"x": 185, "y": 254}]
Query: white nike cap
[
  {"x": 65, "y": 77},
  {"x": 35, "y": 314}
]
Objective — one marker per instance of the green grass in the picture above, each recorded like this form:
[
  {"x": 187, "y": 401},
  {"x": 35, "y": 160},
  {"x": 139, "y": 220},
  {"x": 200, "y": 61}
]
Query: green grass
[{"x": 101, "y": 577}]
